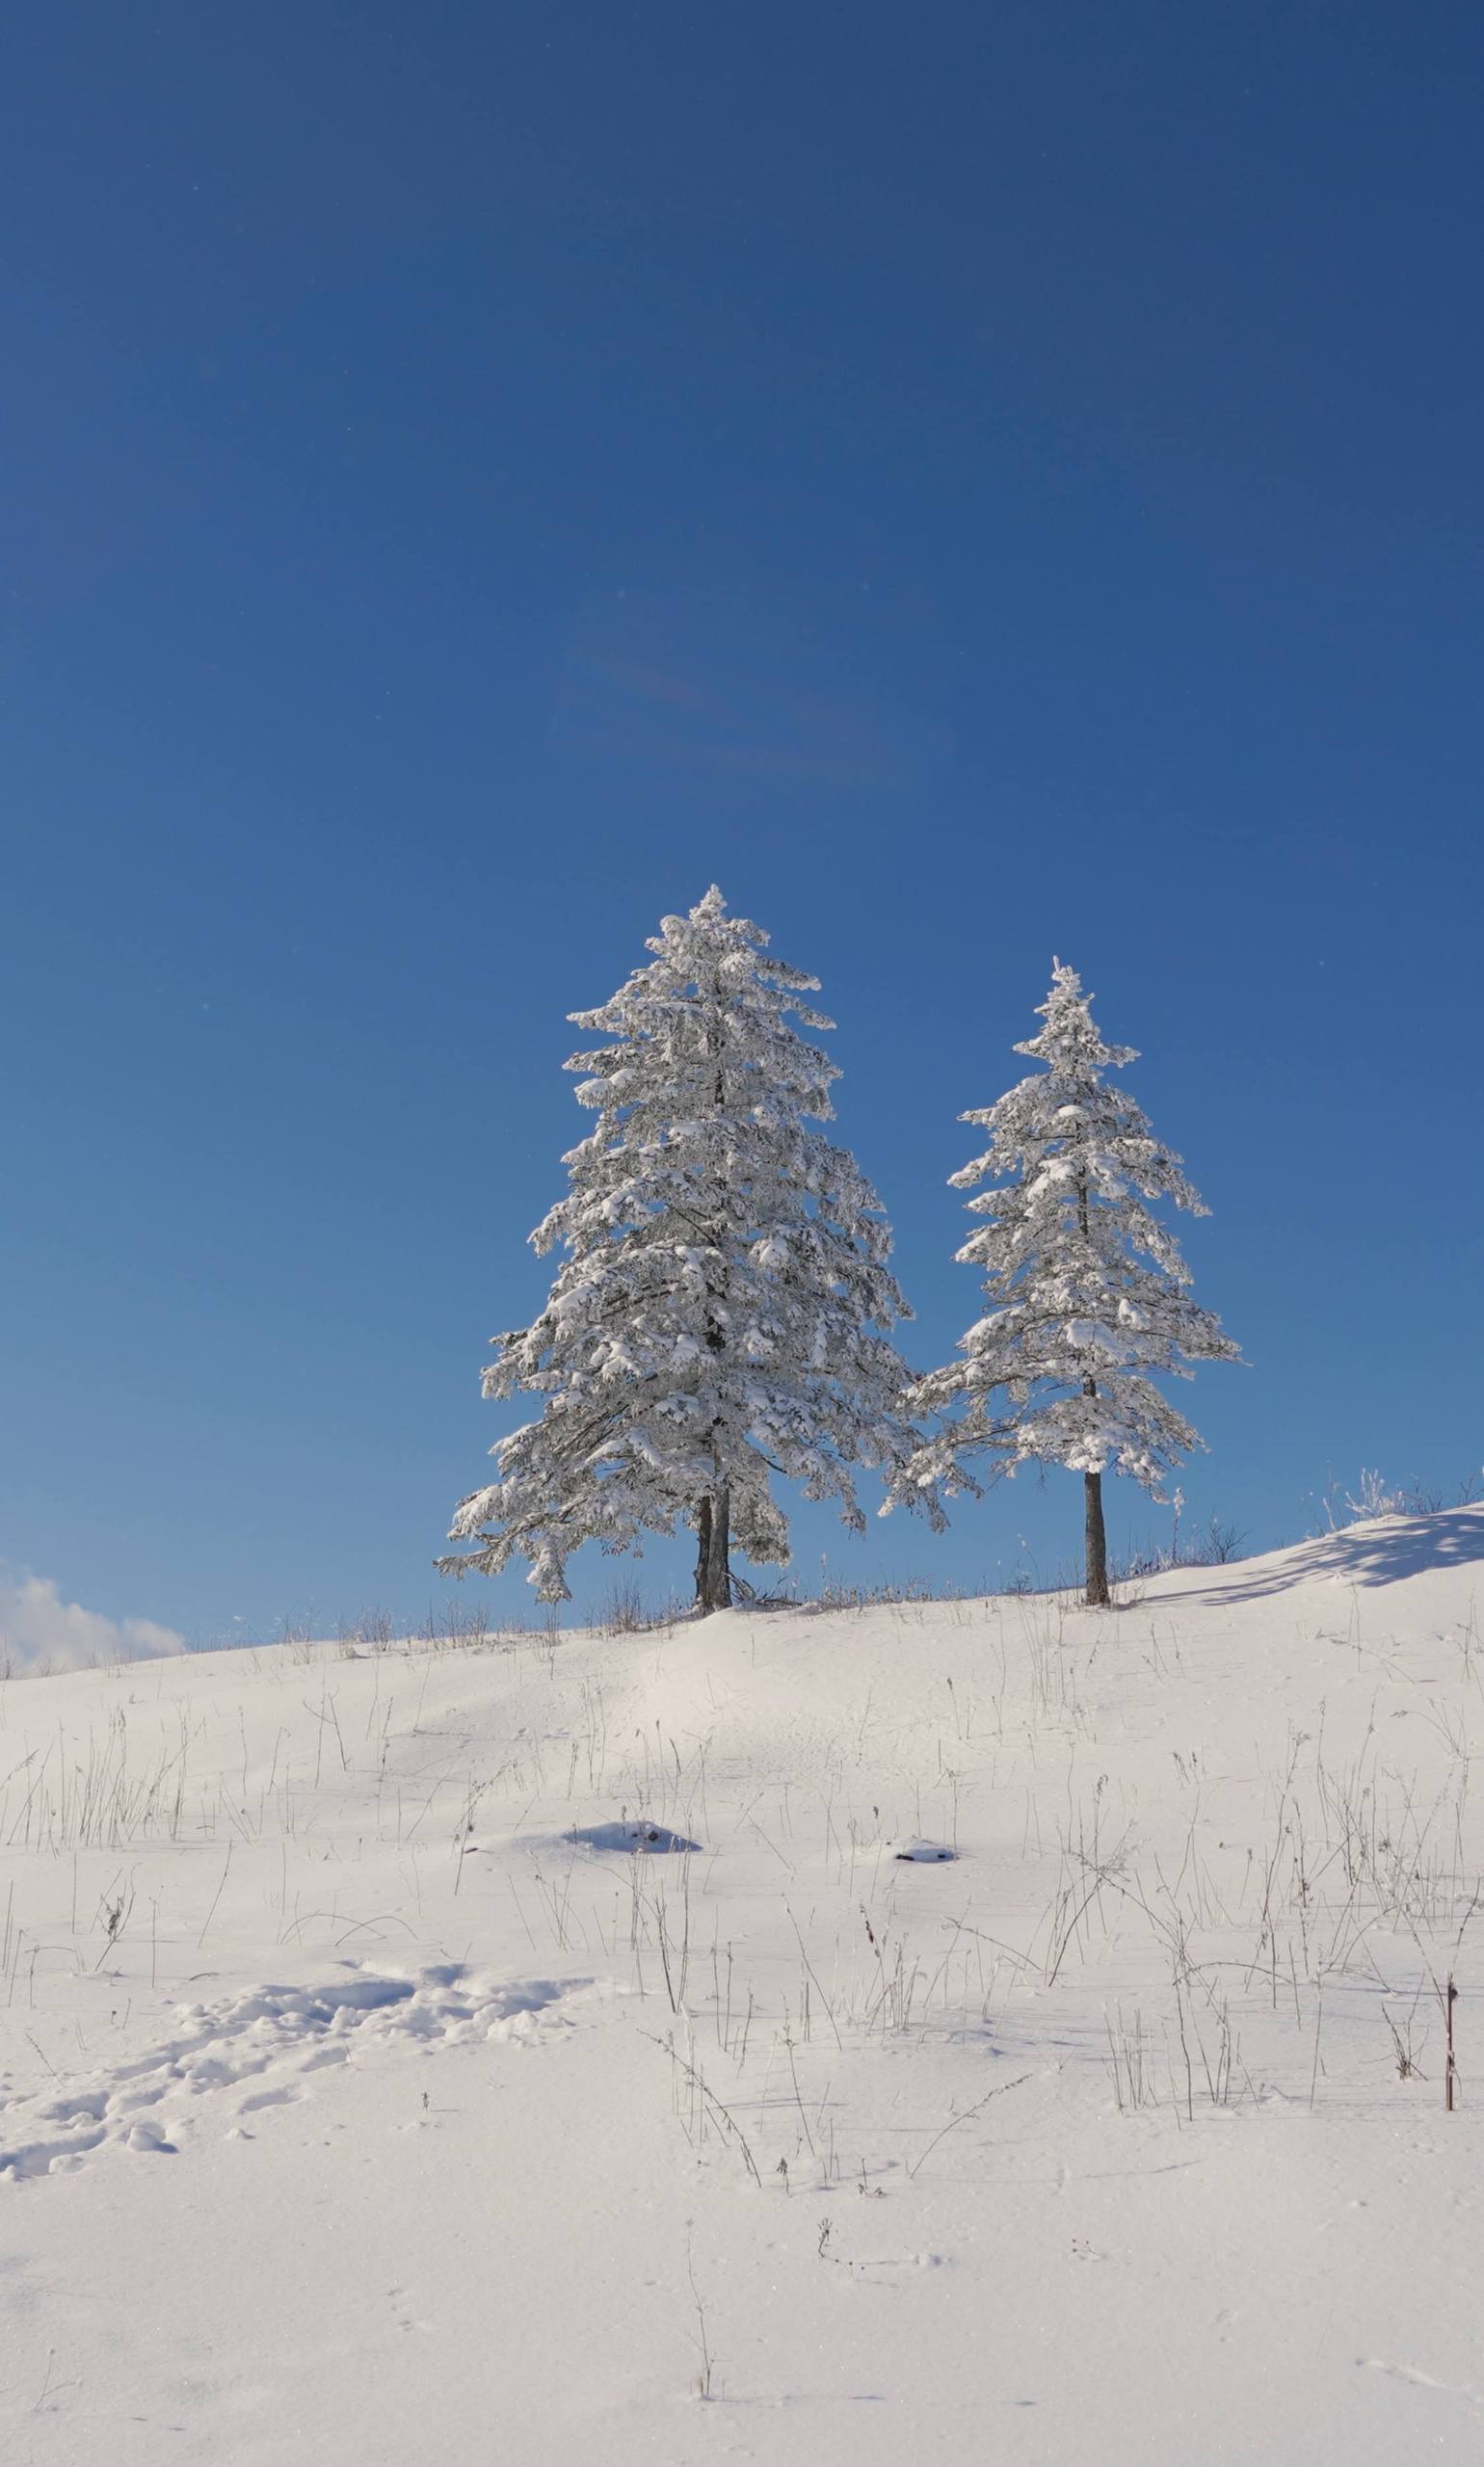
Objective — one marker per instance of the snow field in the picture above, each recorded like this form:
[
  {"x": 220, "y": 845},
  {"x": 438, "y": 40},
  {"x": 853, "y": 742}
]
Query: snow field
[{"x": 364, "y": 2094}]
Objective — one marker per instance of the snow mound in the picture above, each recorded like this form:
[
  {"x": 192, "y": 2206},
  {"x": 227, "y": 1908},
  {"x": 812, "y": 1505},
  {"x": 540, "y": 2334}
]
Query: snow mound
[{"x": 631, "y": 1835}]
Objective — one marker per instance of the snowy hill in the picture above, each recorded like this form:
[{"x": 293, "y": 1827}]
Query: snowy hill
[{"x": 364, "y": 2097}]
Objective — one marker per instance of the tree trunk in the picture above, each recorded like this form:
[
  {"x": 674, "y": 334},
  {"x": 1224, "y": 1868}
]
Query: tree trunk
[
  {"x": 1095, "y": 1545},
  {"x": 718, "y": 1579},
  {"x": 713, "y": 1557},
  {"x": 1097, "y": 1593},
  {"x": 1096, "y": 1538}
]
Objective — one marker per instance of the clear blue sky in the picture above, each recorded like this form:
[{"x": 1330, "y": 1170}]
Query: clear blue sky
[{"x": 976, "y": 482}]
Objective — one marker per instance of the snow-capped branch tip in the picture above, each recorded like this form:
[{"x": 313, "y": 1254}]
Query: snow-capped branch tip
[
  {"x": 1071, "y": 1034},
  {"x": 709, "y": 917}
]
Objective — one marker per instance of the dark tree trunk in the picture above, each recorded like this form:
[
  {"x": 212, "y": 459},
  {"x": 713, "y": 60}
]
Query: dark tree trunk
[
  {"x": 716, "y": 1592},
  {"x": 713, "y": 1551},
  {"x": 1096, "y": 1551},
  {"x": 1097, "y": 1593},
  {"x": 713, "y": 1521}
]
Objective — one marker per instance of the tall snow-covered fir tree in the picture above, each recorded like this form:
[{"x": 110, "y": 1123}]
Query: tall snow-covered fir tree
[
  {"x": 724, "y": 1310},
  {"x": 1087, "y": 1289}
]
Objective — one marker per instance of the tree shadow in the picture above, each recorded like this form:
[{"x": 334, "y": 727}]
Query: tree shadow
[{"x": 1380, "y": 1552}]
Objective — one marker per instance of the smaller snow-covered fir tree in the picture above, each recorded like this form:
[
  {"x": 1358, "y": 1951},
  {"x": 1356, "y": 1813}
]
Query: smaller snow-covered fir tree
[
  {"x": 724, "y": 1310},
  {"x": 1087, "y": 1289}
]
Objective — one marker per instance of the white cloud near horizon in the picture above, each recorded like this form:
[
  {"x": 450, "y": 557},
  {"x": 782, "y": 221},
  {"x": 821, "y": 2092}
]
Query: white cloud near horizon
[{"x": 40, "y": 1632}]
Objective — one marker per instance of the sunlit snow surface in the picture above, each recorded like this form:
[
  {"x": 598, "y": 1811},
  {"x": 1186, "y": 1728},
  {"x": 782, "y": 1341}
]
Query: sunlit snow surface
[{"x": 370, "y": 2092}]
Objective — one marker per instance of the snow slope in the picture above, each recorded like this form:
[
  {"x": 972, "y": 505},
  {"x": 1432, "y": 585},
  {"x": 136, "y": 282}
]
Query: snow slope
[{"x": 364, "y": 2096}]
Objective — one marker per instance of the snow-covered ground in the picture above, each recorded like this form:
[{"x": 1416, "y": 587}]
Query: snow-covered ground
[{"x": 365, "y": 2097}]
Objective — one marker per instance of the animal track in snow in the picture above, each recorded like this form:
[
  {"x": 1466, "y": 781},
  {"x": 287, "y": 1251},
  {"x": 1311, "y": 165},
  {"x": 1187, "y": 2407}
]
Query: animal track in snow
[
  {"x": 1419, "y": 2380},
  {"x": 268, "y": 2099},
  {"x": 284, "y": 2032}
]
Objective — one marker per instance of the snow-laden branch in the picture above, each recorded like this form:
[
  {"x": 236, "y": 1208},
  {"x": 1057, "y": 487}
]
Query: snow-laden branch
[
  {"x": 724, "y": 1308},
  {"x": 1086, "y": 1288}
]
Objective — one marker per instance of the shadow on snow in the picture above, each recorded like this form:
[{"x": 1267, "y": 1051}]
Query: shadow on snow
[{"x": 1379, "y": 1552}]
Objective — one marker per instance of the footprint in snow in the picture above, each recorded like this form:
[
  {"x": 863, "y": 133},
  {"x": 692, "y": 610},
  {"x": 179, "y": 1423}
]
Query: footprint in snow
[
  {"x": 265, "y": 2030},
  {"x": 893, "y": 2269}
]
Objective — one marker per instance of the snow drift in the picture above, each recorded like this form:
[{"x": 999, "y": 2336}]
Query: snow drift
[{"x": 355, "y": 2103}]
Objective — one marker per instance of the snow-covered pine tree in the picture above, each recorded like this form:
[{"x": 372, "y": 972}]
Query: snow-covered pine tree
[
  {"x": 724, "y": 1310},
  {"x": 1087, "y": 1289}
]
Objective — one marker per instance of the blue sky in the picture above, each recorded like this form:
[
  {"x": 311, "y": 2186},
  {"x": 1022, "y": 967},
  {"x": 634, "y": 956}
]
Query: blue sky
[{"x": 995, "y": 483}]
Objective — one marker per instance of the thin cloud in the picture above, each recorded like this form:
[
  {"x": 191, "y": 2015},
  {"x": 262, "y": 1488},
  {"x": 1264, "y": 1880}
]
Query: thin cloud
[
  {"x": 717, "y": 682},
  {"x": 40, "y": 1632}
]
